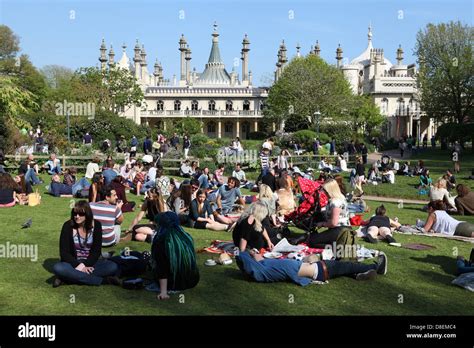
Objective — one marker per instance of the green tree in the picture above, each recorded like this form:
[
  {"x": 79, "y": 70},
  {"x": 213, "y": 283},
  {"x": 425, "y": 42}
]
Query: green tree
[
  {"x": 366, "y": 115},
  {"x": 309, "y": 84},
  {"x": 188, "y": 125},
  {"x": 9, "y": 48},
  {"x": 445, "y": 55}
]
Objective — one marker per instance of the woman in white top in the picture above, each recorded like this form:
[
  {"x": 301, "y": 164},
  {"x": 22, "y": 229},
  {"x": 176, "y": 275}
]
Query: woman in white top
[
  {"x": 337, "y": 216},
  {"x": 92, "y": 168},
  {"x": 282, "y": 160},
  {"x": 342, "y": 164},
  {"x": 439, "y": 192},
  {"x": 440, "y": 222}
]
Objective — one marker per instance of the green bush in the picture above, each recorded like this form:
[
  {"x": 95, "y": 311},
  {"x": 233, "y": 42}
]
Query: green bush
[
  {"x": 305, "y": 138},
  {"x": 199, "y": 139}
]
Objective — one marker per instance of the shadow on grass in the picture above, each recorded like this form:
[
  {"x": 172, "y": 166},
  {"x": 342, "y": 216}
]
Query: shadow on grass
[
  {"x": 48, "y": 265},
  {"x": 448, "y": 264},
  {"x": 437, "y": 277}
]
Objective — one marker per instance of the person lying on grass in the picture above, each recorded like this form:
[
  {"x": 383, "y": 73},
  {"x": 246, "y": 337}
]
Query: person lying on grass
[
  {"x": 80, "y": 248},
  {"x": 249, "y": 232},
  {"x": 464, "y": 266},
  {"x": 379, "y": 227},
  {"x": 440, "y": 222},
  {"x": 259, "y": 269},
  {"x": 173, "y": 256},
  {"x": 153, "y": 205}
]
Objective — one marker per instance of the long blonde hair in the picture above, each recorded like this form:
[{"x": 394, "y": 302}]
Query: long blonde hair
[
  {"x": 333, "y": 190},
  {"x": 265, "y": 192},
  {"x": 259, "y": 212}
]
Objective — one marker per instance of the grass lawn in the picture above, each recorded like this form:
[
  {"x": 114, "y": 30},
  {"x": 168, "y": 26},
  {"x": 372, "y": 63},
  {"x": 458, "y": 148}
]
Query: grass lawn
[
  {"x": 437, "y": 162},
  {"x": 421, "y": 279}
]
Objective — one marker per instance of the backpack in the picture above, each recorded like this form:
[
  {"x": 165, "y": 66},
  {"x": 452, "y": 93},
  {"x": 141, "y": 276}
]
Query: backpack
[
  {"x": 346, "y": 246},
  {"x": 132, "y": 263}
]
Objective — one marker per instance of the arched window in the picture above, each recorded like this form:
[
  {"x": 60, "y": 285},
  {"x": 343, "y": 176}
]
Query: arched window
[
  {"x": 246, "y": 105},
  {"x": 384, "y": 106},
  {"x": 261, "y": 105},
  {"x": 212, "y": 105},
  {"x": 228, "y": 105},
  {"x": 211, "y": 127},
  {"x": 160, "y": 105},
  {"x": 194, "y": 105},
  {"x": 177, "y": 105}
]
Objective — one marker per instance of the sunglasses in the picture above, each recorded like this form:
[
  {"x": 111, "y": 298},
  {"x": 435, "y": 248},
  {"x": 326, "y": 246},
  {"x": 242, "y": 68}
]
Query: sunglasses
[
  {"x": 195, "y": 187},
  {"x": 79, "y": 214}
]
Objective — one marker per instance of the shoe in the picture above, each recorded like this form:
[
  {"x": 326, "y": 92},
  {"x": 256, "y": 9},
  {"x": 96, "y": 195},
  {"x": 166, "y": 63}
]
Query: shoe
[
  {"x": 369, "y": 275},
  {"x": 369, "y": 239},
  {"x": 382, "y": 264},
  {"x": 113, "y": 280},
  {"x": 390, "y": 239},
  {"x": 57, "y": 282}
]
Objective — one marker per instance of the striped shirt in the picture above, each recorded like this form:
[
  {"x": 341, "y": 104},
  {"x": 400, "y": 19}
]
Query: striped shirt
[
  {"x": 265, "y": 161},
  {"x": 82, "y": 246},
  {"x": 106, "y": 214}
]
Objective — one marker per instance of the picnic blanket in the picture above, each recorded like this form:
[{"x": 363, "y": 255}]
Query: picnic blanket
[
  {"x": 221, "y": 246},
  {"x": 465, "y": 281},
  {"x": 303, "y": 250},
  {"x": 414, "y": 230}
]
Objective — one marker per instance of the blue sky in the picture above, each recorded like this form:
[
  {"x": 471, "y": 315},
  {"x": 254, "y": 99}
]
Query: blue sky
[{"x": 50, "y": 36}]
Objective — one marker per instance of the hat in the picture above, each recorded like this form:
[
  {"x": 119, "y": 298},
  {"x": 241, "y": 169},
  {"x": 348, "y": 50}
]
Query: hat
[{"x": 147, "y": 159}]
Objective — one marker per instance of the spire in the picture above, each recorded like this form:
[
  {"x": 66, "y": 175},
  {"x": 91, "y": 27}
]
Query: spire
[
  {"x": 317, "y": 49},
  {"x": 245, "y": 59},
  {"x": 339, "y": 55},
  {"x": 400, "y": 55},
  {"x": 215, "y": 72},
  {"x": 143, "y": 55},
  {"x": 369, "y": 34},
  {"x": 103, "y": 55},
  {"x": 298, "y": 47},
  {"x": 124, "y": 62},
  {"x": 111, "y": 56},
  {"x": 137, "y": 58}
]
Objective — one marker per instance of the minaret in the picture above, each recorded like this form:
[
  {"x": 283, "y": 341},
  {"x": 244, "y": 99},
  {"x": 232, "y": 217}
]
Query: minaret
[
  {"x": 339, "y": 56},
  {"x": 182, "y": 48},
  {"x": 245, "y": 60},
  {"x": 156, "y": 73},
  {"x": 284, "y": 59},
  {"x": 298, "y": 47},
  {"x": 111, "y": 57},
  {"x": 103, "y": 56},
  {"x": 400, "y": 55},
  {"x": 317, "y": 49},
  {"x": 187, "y": 56},
  {"x": 137, "y": 60},
  {"x": 250, "y": 78}
]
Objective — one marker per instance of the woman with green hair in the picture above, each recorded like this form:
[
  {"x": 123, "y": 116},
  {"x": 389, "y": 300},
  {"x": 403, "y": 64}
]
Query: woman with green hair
[{"x": 173, "y": 256}]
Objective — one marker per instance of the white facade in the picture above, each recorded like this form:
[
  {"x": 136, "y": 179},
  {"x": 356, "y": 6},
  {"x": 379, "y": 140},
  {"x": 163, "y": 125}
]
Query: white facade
[
  {"x": 227, "y": 106},
  {"x": 392, "y": 87}
]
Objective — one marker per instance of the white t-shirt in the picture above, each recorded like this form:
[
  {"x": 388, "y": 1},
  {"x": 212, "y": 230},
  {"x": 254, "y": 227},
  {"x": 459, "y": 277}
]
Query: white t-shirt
[
  {"x": 444, "y": 223},
  {"x": 239, "y": 175},
  {"x": 91, "y": 169},
  {"x": 343, "y": 215}
]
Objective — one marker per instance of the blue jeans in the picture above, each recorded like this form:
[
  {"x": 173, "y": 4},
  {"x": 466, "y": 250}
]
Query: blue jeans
[
  {"x": 55, "y": 170},
  {"x": 203, "y": 182},
  {"x": 80, "y": 185},
  {"x": 31, "y": 176},
  {"x": 146, "y": 186},
  {"x": 463, "y": 267},
  {"x": 103, "y": 268}
]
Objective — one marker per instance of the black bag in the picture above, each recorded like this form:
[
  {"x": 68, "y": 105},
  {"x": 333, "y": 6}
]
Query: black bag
[{"x": 131, "y": 264}]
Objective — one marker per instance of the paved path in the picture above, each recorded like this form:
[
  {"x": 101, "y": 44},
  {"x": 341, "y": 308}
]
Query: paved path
[
  {"x": 395, "y": 154},
  {"x": 393, "y": 200}
]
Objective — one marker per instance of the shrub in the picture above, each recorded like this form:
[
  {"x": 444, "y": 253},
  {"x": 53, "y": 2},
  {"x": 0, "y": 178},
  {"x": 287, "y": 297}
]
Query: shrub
[
  {"x": 305, "y": 138},
  {"x": 199, "y": 139}
]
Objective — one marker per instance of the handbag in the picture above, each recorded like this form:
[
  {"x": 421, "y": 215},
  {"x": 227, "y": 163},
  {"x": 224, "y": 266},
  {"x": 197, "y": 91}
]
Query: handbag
[{"x": 34, "y": 199}]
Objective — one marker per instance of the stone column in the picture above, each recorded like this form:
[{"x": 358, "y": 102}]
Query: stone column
[
  {"x": 273, "y": 126},
  {"x": 410, "y": 125},
  {"x": 219, "y": 131},
  {"x": 255, "y": 126},
  {"x": 237, "y": 128},
  {"x": 164, "y": 125}
]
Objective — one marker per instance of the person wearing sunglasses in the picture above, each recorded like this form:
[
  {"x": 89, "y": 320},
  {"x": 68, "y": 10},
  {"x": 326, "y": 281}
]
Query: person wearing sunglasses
[{"x": 80, "y": 247}]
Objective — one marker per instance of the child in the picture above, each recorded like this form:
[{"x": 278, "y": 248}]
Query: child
[{"x": 380, "y": 225}]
